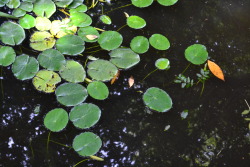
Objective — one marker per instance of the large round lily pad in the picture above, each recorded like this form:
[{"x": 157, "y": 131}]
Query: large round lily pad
[
  {"x": 73, "y": 71},
  {"x": 42, "y": 40},
  {"x": 46, "y": 81},
  {"x": 98, "y": 90},
  {"x": 27, "y": 21},
  {"x": 51, "y": 59},
  {"x": 142, "y": 3},
  {"x": 159, "y": 42},
  {"x": 11, "y": 33},
  {"x": 25, "y": 67},
  {"x": 167, "y": 2},
  {"x": 56, "y": 120},
  {"x": 70, "y": 45},
  {"x": 71, "y": 94},
  {"x": 87, "y": 144},
  {"x": 88, "y": 34},
  {"x": 85, "y": 115},
  {"x": 139, "y": 44},
  {"x": 7, "y": 56},
  {"x": 44, "y": 8},
  {"x": 124, "y": 58},
  {"x": 157, "y": 99},
  {"x": 162, "y": 64},
  {"x": 101, "y": 70},
  {"x": 196, "y": 54},
  {"x": 136, "y": 22},
  {"x": 43, "y": 23},
  {"x": 80, "y": 19},
  {"x": 110, "y": 40}
]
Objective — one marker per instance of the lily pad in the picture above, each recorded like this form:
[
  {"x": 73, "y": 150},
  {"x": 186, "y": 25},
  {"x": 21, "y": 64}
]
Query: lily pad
[
  {"x": 87, "y": 144},
  {"x": 136, "y": 22},
  {"x": 139, "y": 44},
  {"x": 167, "y": 2},
  {"x": 63, "y": 3},
  {"x": 110, "y": 40},
  {"x": 86, "y": 32},
  {"x": 80, "y": 19},
  {"x": 26, "y": 6},
  {"x": 71, "y": 94},
  {"x": 106, "y": 19},
  {"x": 7, "y": 56},
  {"x": 80, "y": 8},
  {"x": 13, "y": 4},
  {"x": 98, "y": 90},
  {"x": 197, "y": 54},
  {"x": 159, "y": 42},
  {"x": 42, "y": 40},
  {"x": 73, "y": 71},
  {"x": 3, "y": 2},
  {"x": 101, "y": 70},
  {"x": 142, "y": 3},
  {"x": 162, "y": 64},
  {"x": 43, "y": 23},
  {"x": 70, "y": 45},
  {"x": 27, "y": 21},
  {"x": 56, "y": 120},
  {"x": 85, "y": 115},
  {"x": 44, "y": 8},
  {"x": 75, "y": 4},
  {"x": 124, "y": 58},
  {"x": 60, "y": 28},
  {"x": 18, "y": 12},
  {"x": 11, "y": 33},
  {"x": 25, "y": 67},
  {"x": 157, "y": 99},
  {"x": 51, "y": 59},
  {"x": 46, "y": 81}
]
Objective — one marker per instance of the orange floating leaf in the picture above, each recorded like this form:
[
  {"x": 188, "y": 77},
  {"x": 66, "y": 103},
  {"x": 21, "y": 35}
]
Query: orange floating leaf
[
  {"x": 115, "y": 77},
  {"x": 215, "y": 69},
  {"x": 131, "y": 81}
]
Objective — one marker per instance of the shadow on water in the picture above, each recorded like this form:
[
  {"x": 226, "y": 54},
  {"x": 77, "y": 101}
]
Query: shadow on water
[{"x": 214, "y": 132}]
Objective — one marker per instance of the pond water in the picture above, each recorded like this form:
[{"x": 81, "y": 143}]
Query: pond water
[{"x": 214, "y": 132}]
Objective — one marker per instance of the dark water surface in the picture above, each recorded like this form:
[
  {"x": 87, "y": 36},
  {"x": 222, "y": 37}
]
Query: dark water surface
[{"x": 213, "y": 134}]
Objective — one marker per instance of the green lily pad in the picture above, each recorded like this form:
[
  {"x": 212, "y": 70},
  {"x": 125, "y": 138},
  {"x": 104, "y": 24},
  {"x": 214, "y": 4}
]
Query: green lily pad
[
  {"x": 27, "y": 21},
  {"x": 162, "y": 64},
  {"x": 56, "y": 120},
  {"x": 73, "y": 71},
  {"x": 25, "y": 67},
  {"x": 136, "y": 22},
  {"x": 88, "y": 34},
  {"x": 80, "y": 8},
  {"x": 44, "y": 8},
  {"x": 70, "y": 45},
  {"x": 51, "y": 59},
  {"x": 26, "y": 6},
  {"x": 167, "y": 2},
  {"x": 159, "y": 42},
  {"x": 110, "y": 40},
  {"x": 3, "y": 2},
  {"x": 11, "y": 33},
  {"x": 105, "y": 19},
  {"x": 46, "y": 81},
  {"x": 43, "y": 23},
  {"x": 87, "y": 144},
  {"x": 63, "y": 3},
  {"x": 75, "y": 4},
  {"x": 124, "y": 58},
  {"x": 98, "y": 90},
  {"x": 142, "y": 3},
  {"x": 101, "y": 70},
  {"x": 197, "y": 54},
  {"x": 7, "y": 56},
  {"x": 13, "y": 4},
  {"x": 71, "y": 94},
  {"x": 60, "y": 28},
  {"x": 157, "y": 99},
  {"x": 80, "y": 19},
  {"x": 139, "y": 44},
  {"x": 85, "y": 115},
  {"x": 18, "y": 12},
  {"x": 42, "y": 40}
]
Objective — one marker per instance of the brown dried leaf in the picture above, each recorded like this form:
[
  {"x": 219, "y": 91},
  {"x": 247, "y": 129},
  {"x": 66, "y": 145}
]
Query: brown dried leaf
[
  {"x": 215, "y": 69},
  {"x": 131, "y": 81},
  {"x": 115, "y": 77}
]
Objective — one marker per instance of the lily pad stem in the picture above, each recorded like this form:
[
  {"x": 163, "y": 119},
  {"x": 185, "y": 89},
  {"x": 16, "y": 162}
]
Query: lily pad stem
[
  {"x": 185, "y": 68},
  {"x": 63, "y": 11},
  {"x": 202, "y": 89},
  {"x": 99, "y": 29},
  {"x": 92, "y": 47},
  {"x": 118, "y": 8},
  {"x": 48, "y": 141},
  {"x": 149, "y": 74},
  {"x": 121, "y": 27},
  {"x": 80, "y": 162},
  {"x": 88, "y": 80},
  {"x": 94, "y": 51},
  {"x": 60, "y": 144},
  {"x": 31, "y": 148},
  {"x": 247, "y": 104}
]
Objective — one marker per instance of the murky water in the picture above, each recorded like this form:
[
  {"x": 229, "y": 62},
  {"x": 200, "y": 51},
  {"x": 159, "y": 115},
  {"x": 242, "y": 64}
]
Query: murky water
[{"x": 213, "y": 134}]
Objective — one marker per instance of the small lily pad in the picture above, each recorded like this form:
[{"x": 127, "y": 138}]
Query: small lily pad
[
  {"x": 80, "y": 8},
  {"x": 136, "y": 22},
  {"x": 51, "y": 59},
  {"x": 80, "y": 19},
  {"x": 26, "y": 6},
  {"x": 25, "y": 67},
  {"x": 157, "y": 99},
  {"x": 27, "y": 21},
  {"x": 106, "y": 19},
  {"x": 42, "y": 40},
  {"x": 70, "y": 45},
  {"x": 142, "y": 3},
  {"x": 44, "y": 8},
  {"x": 98, "y": 90},
  {"x": 56, "y": 120},
  {"x": 85, "y": 115},
  {"x": 60, "y": 28},
  {"x": 46, "y": 81},
  {"x": 124, "y": 58},
  {"x": 101, "y": 70},
  {"x": 18, "y": 12},
  {"x": 85, "y": 31},
  {"x": 43, "y": 23},
  {"x": 3, "y": 2},
  {"x": 159, "y": 42},
  {"x": 75, "y": 4},
  {"x": 162, "y": 64},
  {"x": 13, "y": 4},
  {"x": 196, "y": 54},
  {"x": 7, "y": 56},
  {"x": 167, "y": 2},
  {"x": 87, "y": 144},
  {"x": 71, "y": 94},
  {"x": 63, "y": 3},
  {"x": 139, "y": 44},
  {"x": 110, "y": 40},
  {"x": 73, "y": 71}
]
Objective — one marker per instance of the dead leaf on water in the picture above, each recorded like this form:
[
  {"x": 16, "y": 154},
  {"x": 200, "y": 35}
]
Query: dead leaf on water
[
  {"x": 215, "y": 69},
  {"x": 115, "y": 77},
  {"x": 131, "y": 81}
]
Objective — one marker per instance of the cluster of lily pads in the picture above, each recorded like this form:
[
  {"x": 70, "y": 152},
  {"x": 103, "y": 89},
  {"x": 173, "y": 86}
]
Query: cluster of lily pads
[{"x": 53, "y": 40}]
